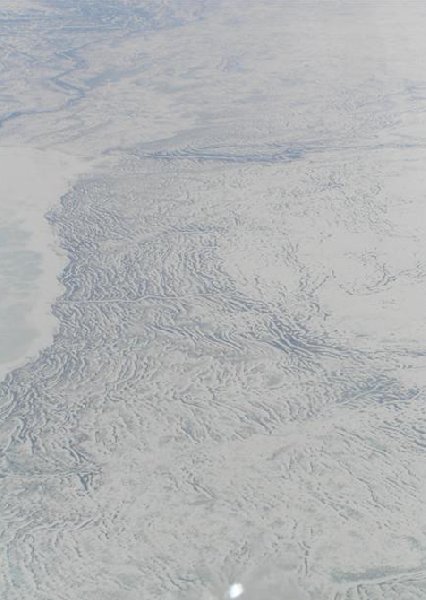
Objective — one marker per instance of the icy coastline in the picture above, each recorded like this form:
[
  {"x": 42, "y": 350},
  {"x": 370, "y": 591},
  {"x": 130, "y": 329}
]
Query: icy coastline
[{"x": 31, "y": 183}]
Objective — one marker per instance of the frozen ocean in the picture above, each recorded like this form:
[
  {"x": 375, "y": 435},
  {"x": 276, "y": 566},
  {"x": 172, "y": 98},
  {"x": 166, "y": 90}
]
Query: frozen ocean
[{"x": 212, "y": 309}]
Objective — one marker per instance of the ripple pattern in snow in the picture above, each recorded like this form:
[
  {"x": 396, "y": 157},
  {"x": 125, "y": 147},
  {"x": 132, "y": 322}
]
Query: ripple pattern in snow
[{"x": 234, "y": 398}]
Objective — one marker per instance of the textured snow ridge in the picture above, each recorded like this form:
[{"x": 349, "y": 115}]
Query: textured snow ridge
[{"x": 234, "y": 402}]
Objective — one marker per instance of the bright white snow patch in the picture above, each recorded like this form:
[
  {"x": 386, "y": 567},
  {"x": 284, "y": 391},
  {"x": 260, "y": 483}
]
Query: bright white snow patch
[{"x": 235, "y": 590}]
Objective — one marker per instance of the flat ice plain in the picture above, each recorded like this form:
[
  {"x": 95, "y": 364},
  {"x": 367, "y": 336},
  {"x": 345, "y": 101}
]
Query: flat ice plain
[
  {"x": 229, "y": 387},
  {"x": 31, "y": 181}
]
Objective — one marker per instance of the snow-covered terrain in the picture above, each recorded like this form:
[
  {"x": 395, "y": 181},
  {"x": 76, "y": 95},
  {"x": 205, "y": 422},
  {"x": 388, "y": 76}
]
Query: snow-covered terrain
[{"x": 234, "y": 398}]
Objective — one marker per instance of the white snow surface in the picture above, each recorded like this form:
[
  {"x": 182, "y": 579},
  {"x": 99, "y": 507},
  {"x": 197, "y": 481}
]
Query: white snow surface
[{"x": 235, "y": 390}]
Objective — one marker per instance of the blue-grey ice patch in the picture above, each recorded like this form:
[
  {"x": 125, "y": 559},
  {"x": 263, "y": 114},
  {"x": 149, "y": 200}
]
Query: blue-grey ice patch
[{"x": 31, "y": 181}]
